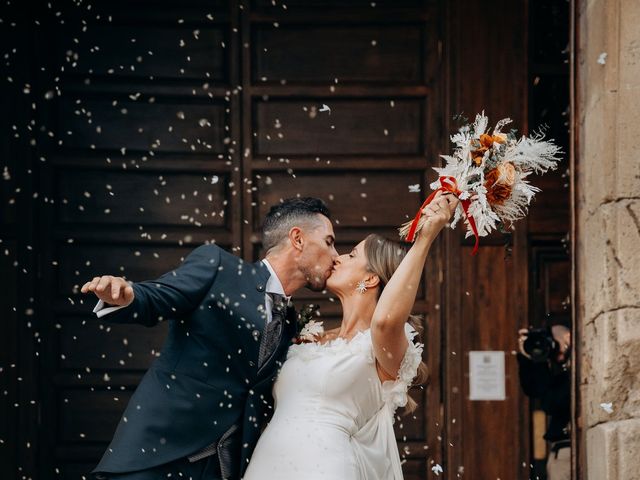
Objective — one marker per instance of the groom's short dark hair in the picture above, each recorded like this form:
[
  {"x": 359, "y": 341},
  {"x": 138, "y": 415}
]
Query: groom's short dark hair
[{"x": 287, "y": 214}]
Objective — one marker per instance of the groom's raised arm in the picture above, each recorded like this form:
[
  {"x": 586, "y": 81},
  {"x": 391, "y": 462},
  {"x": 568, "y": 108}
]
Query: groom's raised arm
[{"x": 174, "y": 294}]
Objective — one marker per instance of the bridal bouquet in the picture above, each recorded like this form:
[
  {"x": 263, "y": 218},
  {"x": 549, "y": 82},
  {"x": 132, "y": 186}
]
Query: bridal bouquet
[{"x": 488, "y": 173}]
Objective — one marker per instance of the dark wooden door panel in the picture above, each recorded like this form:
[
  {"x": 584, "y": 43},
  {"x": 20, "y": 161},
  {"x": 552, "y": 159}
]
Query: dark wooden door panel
[
  {"x": 488, "y": 293},
  {"x": 89, "y": 416},
  {"x": 361, "y": 5},
  {"x": 164, "y": 125},
  {"x": 487, "y": 313},
  {"x": 550, "y": 282},
  {"x": 78, "y": 262},
  {"x": 8, "y": 355},
  {"x": 339, "y": 54},
  {"x": 372, "y": 127},
  {"x": 358, "y": 199},
  {"x": 125, "y": 47},
  {"x": 87, "y": 197}
]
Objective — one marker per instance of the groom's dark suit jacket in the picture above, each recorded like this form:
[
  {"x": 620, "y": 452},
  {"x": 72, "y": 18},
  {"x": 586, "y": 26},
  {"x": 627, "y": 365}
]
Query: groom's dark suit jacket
[{"x": 205, "y": 389}]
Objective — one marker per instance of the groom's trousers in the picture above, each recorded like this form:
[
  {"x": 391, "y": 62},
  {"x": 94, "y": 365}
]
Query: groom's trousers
[{"x": 205, "y": 469}]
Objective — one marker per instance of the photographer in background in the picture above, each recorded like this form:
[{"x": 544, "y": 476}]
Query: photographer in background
[{"x": 544, "y": 367}]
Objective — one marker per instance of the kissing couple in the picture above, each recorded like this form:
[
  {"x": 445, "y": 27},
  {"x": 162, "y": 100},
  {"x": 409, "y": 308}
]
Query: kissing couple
[{"x": 229, "y": 364}]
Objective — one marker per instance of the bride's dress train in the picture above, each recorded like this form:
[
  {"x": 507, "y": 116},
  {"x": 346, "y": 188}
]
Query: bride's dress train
[{"x": 333, "y": 417}]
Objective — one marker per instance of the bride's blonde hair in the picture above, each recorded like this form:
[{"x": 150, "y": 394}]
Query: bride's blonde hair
[{"x": 383, "y": 258}]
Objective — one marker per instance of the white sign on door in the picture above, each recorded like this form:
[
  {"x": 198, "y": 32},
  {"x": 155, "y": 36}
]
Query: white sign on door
[{"x": 486, "y": 375}]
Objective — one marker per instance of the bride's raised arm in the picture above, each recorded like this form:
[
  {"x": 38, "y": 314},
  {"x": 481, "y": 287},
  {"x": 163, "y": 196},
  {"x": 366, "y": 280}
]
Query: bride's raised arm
[{"x": 397, "y": 299}]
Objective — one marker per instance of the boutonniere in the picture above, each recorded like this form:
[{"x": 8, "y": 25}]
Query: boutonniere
[{"x": 310, "y": 329}]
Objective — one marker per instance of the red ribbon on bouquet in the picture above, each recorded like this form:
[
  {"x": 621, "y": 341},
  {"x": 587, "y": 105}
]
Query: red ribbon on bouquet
[{"x": 447, "y": 184}]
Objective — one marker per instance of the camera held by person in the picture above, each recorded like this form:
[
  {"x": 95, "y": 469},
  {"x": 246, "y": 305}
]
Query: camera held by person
[
  {"x": 547, "y": 343},
  {"x": 544, "y": 368}
]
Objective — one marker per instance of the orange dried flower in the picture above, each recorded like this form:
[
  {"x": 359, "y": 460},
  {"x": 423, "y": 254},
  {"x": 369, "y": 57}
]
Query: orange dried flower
[
  {"x": 499, "y": 182},
  {"x": 486, "y": 142}
]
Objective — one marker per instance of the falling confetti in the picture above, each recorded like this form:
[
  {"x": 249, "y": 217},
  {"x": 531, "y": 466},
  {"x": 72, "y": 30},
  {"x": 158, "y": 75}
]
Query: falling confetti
[
  {"x": 437, "y": 469},
  {"x": 602, "y": 58},
  {"x": 607, "y": 407},
  {"x": 414, "y": 188},
  {"x": 325, "y": 108}
]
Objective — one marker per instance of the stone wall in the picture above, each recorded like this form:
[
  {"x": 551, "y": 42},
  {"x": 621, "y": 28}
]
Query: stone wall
[{"x": 608, "y": 240}]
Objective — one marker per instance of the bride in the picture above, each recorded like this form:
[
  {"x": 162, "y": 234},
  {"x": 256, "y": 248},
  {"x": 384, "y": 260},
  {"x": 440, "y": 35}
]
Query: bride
[{"x": 335, "y": 397}]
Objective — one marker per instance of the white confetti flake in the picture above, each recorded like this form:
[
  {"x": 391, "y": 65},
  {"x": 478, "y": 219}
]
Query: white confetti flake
[
  {"x": 437, "y": 469},
  {"x": 325, "y": 108},
  {"x": 607, "y": 407},
  {"x": 602, "y": 58},
  {"x": 414, "y": 188}
]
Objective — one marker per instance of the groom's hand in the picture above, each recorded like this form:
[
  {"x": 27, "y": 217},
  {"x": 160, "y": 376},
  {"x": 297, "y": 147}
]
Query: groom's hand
[{"x": 111, "y": 290}]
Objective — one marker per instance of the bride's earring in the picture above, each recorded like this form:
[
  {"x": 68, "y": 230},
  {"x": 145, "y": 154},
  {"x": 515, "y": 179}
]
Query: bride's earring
[{"x": 361, "y": 288}]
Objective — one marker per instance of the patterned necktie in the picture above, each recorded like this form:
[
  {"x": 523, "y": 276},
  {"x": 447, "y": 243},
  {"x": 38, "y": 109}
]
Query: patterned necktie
[{"x": 273, "y": 330}]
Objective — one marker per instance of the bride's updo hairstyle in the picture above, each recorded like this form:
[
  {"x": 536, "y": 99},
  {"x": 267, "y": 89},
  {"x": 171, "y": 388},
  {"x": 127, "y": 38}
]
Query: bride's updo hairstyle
[{"x": 383, "y": 258}]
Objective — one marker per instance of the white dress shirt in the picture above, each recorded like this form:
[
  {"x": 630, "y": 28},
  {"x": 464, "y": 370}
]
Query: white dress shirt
[{"x": 273, "y": 286}]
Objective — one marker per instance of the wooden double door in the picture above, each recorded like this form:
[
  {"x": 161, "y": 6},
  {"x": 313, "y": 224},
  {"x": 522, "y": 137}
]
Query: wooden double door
[{"x": 163, "y": 125}]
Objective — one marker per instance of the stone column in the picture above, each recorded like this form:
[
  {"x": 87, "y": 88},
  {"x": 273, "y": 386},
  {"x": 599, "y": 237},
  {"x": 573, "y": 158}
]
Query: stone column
[{"x": 608, "y": 236}]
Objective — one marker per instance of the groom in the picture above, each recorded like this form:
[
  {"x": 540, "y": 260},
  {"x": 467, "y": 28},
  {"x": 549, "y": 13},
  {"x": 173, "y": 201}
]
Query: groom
[{"x": 198, "y": 411}]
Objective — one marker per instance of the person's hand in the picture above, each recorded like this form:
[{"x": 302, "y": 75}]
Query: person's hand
[
  {"x": 438, "y": 213},
  {"x": 562, "y": 336},
  {"x": 523, "y": 333},
  {"x": 112, "y": 290}
]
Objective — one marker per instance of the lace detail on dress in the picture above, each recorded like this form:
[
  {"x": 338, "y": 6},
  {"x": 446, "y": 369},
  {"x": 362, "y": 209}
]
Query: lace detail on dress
[
  {"x": 360, "y": 344},
  {"x": 394, "y": 393}
]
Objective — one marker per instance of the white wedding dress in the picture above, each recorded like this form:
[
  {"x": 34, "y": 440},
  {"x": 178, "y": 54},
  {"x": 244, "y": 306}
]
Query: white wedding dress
[{"x": 333, "y": 417}]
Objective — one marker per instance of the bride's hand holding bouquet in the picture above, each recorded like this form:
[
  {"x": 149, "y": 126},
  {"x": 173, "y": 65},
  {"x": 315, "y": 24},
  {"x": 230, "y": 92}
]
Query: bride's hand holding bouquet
[{"x": 435, "y": 216}]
